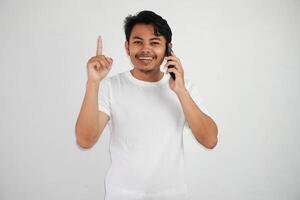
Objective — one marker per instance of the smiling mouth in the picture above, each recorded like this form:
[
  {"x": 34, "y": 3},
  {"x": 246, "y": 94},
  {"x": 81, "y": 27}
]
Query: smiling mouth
[{"x": 145, "y": 59}]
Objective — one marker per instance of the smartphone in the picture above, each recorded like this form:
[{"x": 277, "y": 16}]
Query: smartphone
[{"x": 169, "y": 53}]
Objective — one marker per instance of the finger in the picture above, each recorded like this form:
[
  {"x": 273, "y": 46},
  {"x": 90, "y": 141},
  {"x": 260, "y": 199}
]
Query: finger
[
  {"x": 175, "y": 65},
  {"x": 175, "y": 59},
  {"x": 110, "y": 60},
  {"x": 172, "y": 53},
  {"x": 94, "y": 57},
  {"x": 102, "y": 62},
  {"x": 109, "y": 67},
  {"x": 174, "y": 70},
  {"x": 100, "y": 58},
  {"x": 171, "y": 63},
  {"x": 99, "y": 46},
  {"x": 95, "y": 64},
  {"x": 97, "y": 59},
  {"x": 169, "y": 58},
  {"x": 106, "y": 58}
]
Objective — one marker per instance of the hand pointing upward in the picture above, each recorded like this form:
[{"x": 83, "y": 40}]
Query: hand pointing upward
[
  {"x": 99, "y": 65},
  {"x": 99, "y": 46}
]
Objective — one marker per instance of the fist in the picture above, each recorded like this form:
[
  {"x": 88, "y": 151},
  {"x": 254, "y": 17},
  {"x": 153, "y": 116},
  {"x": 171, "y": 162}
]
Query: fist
[{"x": 99, "y": 65}]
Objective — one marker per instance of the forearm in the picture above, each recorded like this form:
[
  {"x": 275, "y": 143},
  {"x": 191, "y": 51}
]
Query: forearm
[
  {"x": 202, "y": 126},
  {"x": 87, "y": 121}
]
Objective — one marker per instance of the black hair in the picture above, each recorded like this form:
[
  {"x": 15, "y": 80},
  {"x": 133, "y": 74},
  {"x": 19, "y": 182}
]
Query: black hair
[{"x": 160, "y": 25}]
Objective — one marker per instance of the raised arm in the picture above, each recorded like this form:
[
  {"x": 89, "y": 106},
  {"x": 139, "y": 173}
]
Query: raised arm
[{"x": 91, "y": 122}]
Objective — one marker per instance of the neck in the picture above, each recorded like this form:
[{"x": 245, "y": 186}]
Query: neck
[{"x": 150, "y": 76}]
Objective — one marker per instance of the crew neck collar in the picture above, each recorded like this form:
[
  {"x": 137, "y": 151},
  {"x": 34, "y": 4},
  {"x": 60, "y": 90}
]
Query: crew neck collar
[{"x": 163, "y": 80}]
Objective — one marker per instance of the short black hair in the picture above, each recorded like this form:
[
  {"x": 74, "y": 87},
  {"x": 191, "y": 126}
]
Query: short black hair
[{"x": 160, "y": 25}]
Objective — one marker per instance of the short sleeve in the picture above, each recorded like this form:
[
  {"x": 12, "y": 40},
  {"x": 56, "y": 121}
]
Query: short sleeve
[
  {"x": 197, "y": 98},
  {"x": 104, "y": 97}
]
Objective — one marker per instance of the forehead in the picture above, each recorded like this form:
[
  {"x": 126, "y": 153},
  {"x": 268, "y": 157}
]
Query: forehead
[{"x": 144, "y": 31}]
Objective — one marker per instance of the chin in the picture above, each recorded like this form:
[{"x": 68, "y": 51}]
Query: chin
[{"x": 148, "y": 69}]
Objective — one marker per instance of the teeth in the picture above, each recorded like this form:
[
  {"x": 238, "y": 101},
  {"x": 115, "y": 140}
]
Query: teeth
[{"x": 145, "y": 58}]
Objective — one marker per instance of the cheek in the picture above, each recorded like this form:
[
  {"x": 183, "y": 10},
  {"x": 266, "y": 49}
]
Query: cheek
[
  {"x": 160, "y": 52},
  {"x": 132, "y": 52}
]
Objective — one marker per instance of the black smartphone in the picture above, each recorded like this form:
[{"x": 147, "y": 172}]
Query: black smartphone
[{"x": 169, "y": 53}]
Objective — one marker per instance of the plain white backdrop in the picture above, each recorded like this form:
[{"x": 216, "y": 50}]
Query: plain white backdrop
[{"x": 243, "y": 55}]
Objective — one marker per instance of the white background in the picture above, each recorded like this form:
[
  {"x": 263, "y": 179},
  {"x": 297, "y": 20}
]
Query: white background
[{"x": 243, "y": 55}]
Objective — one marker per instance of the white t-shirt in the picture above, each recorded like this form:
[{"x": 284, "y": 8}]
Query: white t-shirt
[{"x": 146, "y": 141}]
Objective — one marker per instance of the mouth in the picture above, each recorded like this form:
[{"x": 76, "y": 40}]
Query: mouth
[{"x": 145, "y": 59}]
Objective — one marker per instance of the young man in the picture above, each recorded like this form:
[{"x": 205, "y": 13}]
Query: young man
[{"x": 148, "y": 110}]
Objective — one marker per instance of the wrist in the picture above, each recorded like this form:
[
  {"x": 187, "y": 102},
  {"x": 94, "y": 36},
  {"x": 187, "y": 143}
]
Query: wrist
[
  {"x": 93, "y": 83},
  {"x": 183, "y": 92},
  {"x": 90, "y": 81}
]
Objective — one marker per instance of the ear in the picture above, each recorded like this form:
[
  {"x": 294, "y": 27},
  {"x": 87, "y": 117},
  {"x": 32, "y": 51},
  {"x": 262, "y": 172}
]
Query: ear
[
  {"x": 127, "y": 48},
  {"x": 170, "y": 45}
]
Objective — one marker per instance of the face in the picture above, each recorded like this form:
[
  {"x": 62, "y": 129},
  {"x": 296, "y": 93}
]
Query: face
[{"x": 145, "y": 49}]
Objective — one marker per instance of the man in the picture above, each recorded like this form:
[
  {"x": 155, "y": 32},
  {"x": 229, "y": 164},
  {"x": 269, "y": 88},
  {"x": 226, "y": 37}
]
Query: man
[{"x": 148, "y": 110}]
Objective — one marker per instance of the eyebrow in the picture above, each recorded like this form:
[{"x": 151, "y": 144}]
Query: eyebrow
[{"x": 155, "y": 38}]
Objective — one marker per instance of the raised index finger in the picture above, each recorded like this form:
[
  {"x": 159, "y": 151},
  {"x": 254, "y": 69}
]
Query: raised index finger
[{"x": 99, "y": 46}]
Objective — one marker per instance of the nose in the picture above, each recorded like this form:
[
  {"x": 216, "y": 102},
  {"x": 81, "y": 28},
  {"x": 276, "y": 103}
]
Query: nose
[{"x": 146, "y": 48}]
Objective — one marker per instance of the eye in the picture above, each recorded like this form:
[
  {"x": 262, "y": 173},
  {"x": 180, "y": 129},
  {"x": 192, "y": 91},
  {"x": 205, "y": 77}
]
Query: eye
[
  {"x": 155, "y": 43},
  {"x": 137, "y": 42}
]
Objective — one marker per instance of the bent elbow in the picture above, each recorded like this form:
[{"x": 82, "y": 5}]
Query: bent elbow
[
  {"x": 211, "y": 144},
  {"x": 83, "y": 142},
  {"x": 214, "y": 141}
]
